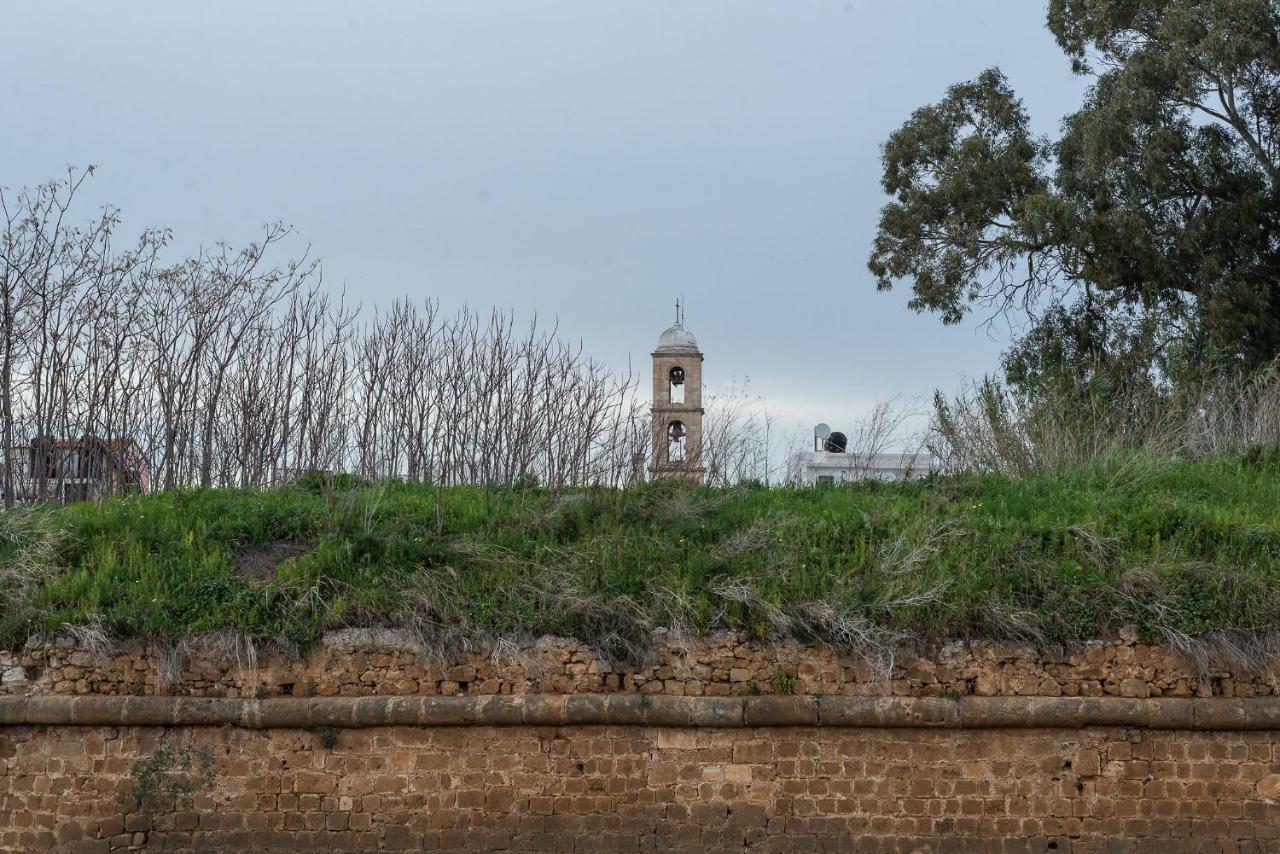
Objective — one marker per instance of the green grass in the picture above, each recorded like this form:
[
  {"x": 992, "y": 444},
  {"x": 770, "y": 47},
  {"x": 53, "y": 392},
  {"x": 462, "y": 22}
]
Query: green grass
[{"x": 1188, "y": 546}]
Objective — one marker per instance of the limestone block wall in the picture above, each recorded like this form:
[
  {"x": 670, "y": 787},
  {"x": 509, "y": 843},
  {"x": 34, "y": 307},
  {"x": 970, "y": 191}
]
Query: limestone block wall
[
  {"x": 365, "y": 744},
  {"x": 650, "y": 788}
]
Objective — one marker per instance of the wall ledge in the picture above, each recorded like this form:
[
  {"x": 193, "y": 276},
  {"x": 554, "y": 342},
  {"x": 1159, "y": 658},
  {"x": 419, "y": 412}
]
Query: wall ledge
[{"x": 1214, "y": 714}]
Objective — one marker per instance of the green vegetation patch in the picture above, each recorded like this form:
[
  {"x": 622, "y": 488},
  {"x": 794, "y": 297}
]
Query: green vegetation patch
[{"x": 1177, "y": 547}]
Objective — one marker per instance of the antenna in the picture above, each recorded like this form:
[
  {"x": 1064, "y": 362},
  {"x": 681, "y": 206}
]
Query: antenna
[{"x": 820, "y": 434}]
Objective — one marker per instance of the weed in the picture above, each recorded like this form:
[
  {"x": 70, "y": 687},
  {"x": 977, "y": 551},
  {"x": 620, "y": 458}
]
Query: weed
[
  {"x": 785, "y": 682},
  {"x": 328, "y": 737},
  {"x": 167, "y": 779}
]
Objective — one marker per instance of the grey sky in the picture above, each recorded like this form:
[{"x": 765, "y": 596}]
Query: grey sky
[{"x": 588, "y": 160}]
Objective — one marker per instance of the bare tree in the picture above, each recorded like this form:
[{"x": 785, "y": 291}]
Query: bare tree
[
  {"x": 68, "y": 302},
  {"x": 738, "y": 437},
  {"x": 234, "y": 367}
]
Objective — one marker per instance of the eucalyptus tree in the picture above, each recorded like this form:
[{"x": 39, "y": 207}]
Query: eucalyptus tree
[{"x": 1155, "y": 211}]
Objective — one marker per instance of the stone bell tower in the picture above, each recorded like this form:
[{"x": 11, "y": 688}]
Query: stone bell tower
[{"x": 677, "y": 404}]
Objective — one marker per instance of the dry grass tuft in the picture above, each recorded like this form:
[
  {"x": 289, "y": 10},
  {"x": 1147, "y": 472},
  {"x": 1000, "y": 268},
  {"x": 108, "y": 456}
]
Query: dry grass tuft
[
  {"x": 30, "y": 539},
  {"x": 91, "y": 636},
  {"x": 617, "y": 628},
  {"x": 1227, "y": 651},
  {"x": 991, "y": 429}
]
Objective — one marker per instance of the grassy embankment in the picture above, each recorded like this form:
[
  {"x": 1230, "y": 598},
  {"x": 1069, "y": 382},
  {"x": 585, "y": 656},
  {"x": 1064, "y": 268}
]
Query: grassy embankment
[{"x": 1173, "y": 547}]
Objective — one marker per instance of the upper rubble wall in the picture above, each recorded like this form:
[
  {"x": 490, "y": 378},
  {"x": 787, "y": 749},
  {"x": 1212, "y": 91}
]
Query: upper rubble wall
[{"x": 367, "y": 663}]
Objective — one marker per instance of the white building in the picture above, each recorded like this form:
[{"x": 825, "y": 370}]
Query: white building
[
  {"x": 831, "y": 463},
  {"x": 823, "y": 467}
]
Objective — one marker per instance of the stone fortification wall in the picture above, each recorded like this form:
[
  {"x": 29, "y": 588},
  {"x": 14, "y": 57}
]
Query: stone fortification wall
[
  {"x": 775, "y": 774},
  {"x": 364, "y": 744}
]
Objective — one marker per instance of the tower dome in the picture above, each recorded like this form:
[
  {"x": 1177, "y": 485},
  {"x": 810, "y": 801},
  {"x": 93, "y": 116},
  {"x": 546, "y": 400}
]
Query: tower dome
[{"x": 677, "y": 339}]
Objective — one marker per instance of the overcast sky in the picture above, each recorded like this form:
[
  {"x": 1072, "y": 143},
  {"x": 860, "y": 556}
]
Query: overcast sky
[{"x": 590, "y": 161}]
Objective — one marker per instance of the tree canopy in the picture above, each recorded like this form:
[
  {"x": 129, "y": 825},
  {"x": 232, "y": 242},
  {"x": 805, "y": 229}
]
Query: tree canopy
[{"x": 1158, "y": 199}]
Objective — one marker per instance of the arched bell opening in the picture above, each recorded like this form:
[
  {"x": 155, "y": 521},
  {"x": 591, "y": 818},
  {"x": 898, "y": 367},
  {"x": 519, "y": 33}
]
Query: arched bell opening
[
  {"x": 677, "y": 437},
  {"x": 676, "y": 388}
]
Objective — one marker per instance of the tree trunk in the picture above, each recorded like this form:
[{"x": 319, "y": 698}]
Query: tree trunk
[{"x": 6, "y": 397}]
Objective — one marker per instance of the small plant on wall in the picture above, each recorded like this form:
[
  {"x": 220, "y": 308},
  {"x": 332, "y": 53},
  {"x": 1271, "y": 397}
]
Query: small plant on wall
[
  {"x": 328, "y": 737},
  {"x": 167, "y": 779}
]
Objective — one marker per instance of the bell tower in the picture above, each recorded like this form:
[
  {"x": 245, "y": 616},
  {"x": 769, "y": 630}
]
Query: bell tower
[{"x": 677, "y": 404}]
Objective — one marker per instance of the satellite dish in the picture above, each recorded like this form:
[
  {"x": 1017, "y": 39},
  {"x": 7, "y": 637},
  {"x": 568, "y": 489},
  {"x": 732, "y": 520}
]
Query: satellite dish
[{"x": 822, "y": 431}]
